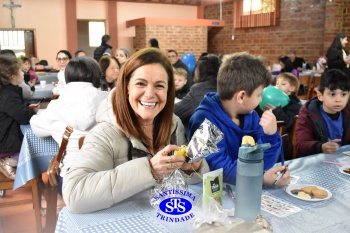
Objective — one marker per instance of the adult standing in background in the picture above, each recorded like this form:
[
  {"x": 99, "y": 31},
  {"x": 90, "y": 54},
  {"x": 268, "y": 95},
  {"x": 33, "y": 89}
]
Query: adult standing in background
[
  {"x": 122, "y": 54},
  {"x": 103, "y": 48},
  {"x": 337, "y": 58},
  {"x": 62, "y": 58},
  {"x": 177, "y": 63},
  {"x": 297, "y": 61}
]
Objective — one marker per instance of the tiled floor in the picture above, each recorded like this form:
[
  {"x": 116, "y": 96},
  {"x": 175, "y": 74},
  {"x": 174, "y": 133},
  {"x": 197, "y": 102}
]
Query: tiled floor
[{"x": 20, "y": 218}]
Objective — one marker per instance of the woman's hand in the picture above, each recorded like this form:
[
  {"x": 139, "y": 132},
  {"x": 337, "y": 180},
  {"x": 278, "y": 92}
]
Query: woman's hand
[
  {"x": 271, "y": 175},
  {"x": 162, "y": 164},
  {"x": 191, "y": 167},
  {"x": 268, "y": 122}
]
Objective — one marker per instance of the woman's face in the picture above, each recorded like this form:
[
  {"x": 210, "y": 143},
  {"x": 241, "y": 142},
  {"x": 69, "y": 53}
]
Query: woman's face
[
  {"x": 120, "y": 55},
  {"x": 282, "y": 65},
  {"x": 18, "y": 78},
  {"x": 112, "y": 71},
  {"x": 62, "y": 61},
  {"x": 147, "y": 89},
  {"x": 343, "y": 42}
]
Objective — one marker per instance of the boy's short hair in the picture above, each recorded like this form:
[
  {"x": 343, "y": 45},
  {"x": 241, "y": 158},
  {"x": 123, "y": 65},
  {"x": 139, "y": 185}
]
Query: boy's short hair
[
  {"x": 242, "y": 71},
  {"x": 334, "y": 79},
  {"x": 180, "y": 72},
  {"x": 291, "y": 78},
  {"x": 25, "y": 59}
]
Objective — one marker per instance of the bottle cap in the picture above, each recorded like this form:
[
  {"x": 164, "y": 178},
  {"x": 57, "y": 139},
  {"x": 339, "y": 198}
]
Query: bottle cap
[{"x": 251, "y": 152}]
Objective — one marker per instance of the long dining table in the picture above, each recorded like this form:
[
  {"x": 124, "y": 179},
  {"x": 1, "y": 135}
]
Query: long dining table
[{"x": 135, "y": 214}]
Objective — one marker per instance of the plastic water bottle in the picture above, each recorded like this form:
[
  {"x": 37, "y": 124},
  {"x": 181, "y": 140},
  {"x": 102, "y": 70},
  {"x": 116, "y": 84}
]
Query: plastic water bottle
[
  {"x": 304, "y": 66},
  {"x": 250, "y": 168}
]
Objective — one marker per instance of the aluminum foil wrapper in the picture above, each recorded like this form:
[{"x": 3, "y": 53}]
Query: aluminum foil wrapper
[
  {"x": 171, "y": 181},
  {"x": 204, "y": 142}
]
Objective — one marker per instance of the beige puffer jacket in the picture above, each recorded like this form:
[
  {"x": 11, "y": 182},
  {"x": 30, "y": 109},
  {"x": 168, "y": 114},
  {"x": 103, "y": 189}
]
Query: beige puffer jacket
[{"x": 101, "y": 175}]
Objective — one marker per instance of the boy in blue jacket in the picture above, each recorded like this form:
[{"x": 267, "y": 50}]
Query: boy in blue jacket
[{"x": 241, "y": 81}]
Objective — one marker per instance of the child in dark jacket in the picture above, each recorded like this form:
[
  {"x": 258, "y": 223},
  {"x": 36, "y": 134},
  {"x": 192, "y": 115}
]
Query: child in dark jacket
[
  {"x": 180, "y": 78},
  {"x": 324, "y": 121},
  {"x": 289, "y": 84}
]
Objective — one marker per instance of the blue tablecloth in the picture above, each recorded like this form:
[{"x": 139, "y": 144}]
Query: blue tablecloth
[
  {"x": 34, "y": 156},
  {"x": 136, "y": 215}
]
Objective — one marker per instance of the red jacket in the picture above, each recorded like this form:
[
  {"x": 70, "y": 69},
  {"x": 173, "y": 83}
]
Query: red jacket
[{"x": 311, "y": 130}]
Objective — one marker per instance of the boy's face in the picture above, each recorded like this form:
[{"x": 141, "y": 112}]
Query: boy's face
[
  {"x": 26, "y": 66},
  {"x": 251, "y": 102},
  {"x": 333, "y": 101},
  {"x": 180, "y": 81},
  {"x": 285, "y": 86}
]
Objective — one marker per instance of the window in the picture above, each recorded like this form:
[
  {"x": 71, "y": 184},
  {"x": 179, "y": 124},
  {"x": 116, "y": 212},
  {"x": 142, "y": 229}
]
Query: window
[
  {"x": 255, "y": 13},
  {"x": 96, "y": 31},
  {"x": 13, "y": 40}
]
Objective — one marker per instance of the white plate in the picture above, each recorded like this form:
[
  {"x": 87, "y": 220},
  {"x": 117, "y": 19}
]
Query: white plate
[
  {"x": 299, "y": 186},
  {"x": 341, "y": 169},
  {"x": 346, "y": 153}
]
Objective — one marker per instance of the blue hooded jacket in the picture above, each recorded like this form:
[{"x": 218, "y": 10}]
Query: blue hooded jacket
[{"x": 226, "y": 158}]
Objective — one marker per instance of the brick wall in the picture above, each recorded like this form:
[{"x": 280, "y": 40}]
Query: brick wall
[
  {"x": 306, "y": 26},
  {"x": 183, "y": 39}
]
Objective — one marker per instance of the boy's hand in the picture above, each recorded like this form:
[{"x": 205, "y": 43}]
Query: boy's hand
[
  {"x": 331, "y": 146},
  {"x": 268, "y": 122},
  {"x": 268, "y": 106}
]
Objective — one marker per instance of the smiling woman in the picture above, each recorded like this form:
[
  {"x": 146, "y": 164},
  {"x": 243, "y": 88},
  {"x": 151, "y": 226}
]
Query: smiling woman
[{"x": 128, "y": 151}]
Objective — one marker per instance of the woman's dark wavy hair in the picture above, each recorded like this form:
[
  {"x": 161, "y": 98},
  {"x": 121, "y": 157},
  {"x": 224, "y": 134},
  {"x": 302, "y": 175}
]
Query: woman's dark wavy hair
[
  {"x": 65, "y": 52},
  {"x": 207, "y": 69},
  {"x": 288, "y": 65},
  {"x": 83, "y": 69},
  {"x": 125, "y": 115},
  {"x": 336, "y": 42}
]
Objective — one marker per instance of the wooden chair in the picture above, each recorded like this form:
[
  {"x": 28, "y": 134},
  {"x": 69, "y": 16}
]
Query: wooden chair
[
  {"x": 304, "y": 81},
  {"x": 81, "y": 141},
  {"x": 294, "y": 139},
  {"x": 281, "y": 125},
  {"x": 7, "y": 184},
  {"x": 315, "y": 81},
  {"x": 286, "y": 147}
]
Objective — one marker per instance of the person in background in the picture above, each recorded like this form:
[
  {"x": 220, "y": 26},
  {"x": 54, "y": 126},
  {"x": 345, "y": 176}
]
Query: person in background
[
  {"x": 110, "y": 69},
  {"x": 129, "y": 149},
  {"x": 324, "y": 121},
  {"x": 337, "y": 58},
  {"x": 177, "y": 63},
  {"x": 321, "y": 64},
  {"x": 122, "y": 54},
  {"x": 13, "y": 113},
  {"x": 29, "y": 73},
  {"x": 79, "y": 53},
  {"x": 287, "y": 65},
  {"x": 103, "y": 48},
  {"x": 205, "y": 81},
  {"x": 76, "y": 107},
  {"x": 297, "y": 61},
  {"x": 62, "y": 58},
  {"x": 289, "y": 84},
  {"x": 240, "y": 83},
  {"x": 180, "y": 78},
  {"x": 153, "y": 43}
]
